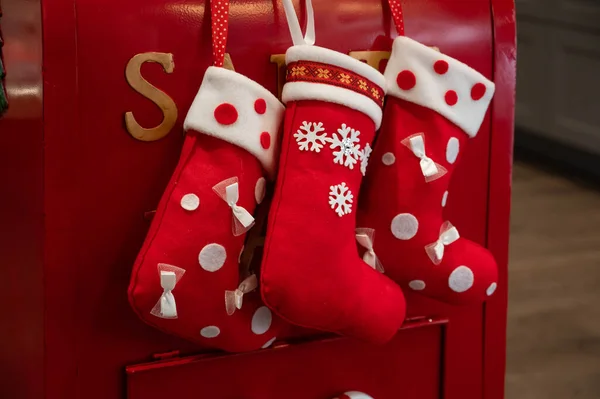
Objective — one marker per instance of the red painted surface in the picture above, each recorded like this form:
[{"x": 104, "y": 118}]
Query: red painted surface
[
  {"x": 76, "y": 187},
  {"x": 505, "y": 72},
  {"x": 319, "y": 369},
  {"x": 21, "y": 204}
]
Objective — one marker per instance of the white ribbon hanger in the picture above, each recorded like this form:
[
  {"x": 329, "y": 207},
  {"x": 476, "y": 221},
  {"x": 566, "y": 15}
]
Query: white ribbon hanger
[
  {"x": 228, "y": 190},
  {"x": 448, "y": 235},
  {"x": 235, "y": 299},
  {"x": 294, "y": 24},
  {"x": 365, "y": 238},
  {"x": 430, "y": 169},
  {"x": 166, "y": 307}
]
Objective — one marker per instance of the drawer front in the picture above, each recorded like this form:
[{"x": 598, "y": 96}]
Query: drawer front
[{"x": 407, "y": 367}]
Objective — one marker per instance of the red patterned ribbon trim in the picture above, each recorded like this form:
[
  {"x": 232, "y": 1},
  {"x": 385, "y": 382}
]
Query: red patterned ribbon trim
[{"x": 316, "y": 72}]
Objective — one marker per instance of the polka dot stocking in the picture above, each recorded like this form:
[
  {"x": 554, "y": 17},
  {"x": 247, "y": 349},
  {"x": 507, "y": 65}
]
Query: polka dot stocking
[
  {"x": 200, "y": 223},
  {"x": 434, "y": 104}
]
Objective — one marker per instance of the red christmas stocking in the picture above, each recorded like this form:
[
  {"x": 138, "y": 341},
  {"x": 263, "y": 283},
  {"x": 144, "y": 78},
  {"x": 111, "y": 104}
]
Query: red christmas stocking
[
  {"x": 434, "y": 105},
  {"x": 311, "y": 273},
  {"x": 186, "y": 279}
]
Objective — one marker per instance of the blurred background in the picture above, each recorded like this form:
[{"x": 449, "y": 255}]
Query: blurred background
[{"x": 554, "y": 292}]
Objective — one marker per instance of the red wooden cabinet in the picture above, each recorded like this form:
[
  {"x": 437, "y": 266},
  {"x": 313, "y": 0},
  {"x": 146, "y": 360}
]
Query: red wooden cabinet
[
  {"x": 76, "y": 186},
  {"x": 319, "y": 369}
]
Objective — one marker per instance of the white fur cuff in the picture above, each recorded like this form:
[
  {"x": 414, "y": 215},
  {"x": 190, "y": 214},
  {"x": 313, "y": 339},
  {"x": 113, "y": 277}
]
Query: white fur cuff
[
  {"x": 317, "y": 73},
  {"x": 238, "y": 110},
  {"x": 295, "y": 91},
  {"x": 423, "y": 76}
]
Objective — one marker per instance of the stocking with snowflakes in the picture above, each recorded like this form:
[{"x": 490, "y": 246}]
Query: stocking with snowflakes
[
  {"x": 435, "y": 104},
  {"x": 186, "y": 280},
  {"x": 311, "y": 273}
]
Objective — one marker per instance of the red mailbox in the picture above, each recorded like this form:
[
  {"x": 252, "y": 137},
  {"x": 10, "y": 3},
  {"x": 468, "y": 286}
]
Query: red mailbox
[{"x": 79, "y": 184}]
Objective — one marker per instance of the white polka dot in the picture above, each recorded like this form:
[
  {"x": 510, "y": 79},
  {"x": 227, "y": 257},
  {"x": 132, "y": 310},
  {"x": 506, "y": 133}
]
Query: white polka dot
[
  {"x": 417, "y": 285},
  {"x": 356, "y": 395},
  {"x": 388, "y": 159},
  {"x": 210, "y": 332},
  {"x": 269, "y": 343},
  {"x": 404, "y": 226},
  {"x": 190, "y": 202},
  {"x": 444, "y": 199},
  {"x": 260, "y": 189},
  {"x": 491, "y": 289},
  {"x": 261, "y": 321},
  {"x": 212, "y": 257},
  {"x": 461, "y": 279},
  {"x": 240, "y": 255},
  {"x": 452, "y": 150}
]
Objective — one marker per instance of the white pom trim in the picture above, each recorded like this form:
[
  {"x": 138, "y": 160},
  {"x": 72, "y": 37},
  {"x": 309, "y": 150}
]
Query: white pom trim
[
  {"x": 224, "y": 86},
  {"x": 431, "y": 87}
]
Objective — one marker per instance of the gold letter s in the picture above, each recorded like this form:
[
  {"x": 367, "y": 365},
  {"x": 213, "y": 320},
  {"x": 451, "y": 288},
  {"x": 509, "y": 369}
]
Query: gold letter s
[{"x": 158, "y": 97}]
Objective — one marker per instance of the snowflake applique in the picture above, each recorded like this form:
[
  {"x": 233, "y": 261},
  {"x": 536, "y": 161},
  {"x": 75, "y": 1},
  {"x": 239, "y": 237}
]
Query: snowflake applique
[
  {"x": 365, "y": 153},
  {"x": 347, "y": 143},
  {"x": 340, "y": 199},
  {"x": 308, "y": 134}
]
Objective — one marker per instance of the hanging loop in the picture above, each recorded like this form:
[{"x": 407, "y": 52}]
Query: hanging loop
[
  {"x": 397, "y": 15},
  {"x": 219, "y": 16},
  {"x": 294, "y": 24}
]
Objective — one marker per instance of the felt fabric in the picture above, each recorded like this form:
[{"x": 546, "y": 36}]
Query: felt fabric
[
  {"x": 311, "y": 273},
  {"x": 229, "y": 106},
  {"x": 424, "y": 76},
  {"x": 200, "y": 224},
  {"x": 403, "y": 197}
]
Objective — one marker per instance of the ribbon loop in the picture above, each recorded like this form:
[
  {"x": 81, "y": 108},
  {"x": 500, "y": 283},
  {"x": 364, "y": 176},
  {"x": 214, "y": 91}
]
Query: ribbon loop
[
  {"x": 430, "y": 169},
  {"x": 365, "y": 237},
  {"x": 228, "y": 190},
  {"x": 219, "y": 15},
  {"x": 235, "y": 299},
  {"x": 448, "y": 235},
  {"x": 294, "y": 24},
  {"x": 396, "y": 9},
  {"x": 166, "y": 307}
]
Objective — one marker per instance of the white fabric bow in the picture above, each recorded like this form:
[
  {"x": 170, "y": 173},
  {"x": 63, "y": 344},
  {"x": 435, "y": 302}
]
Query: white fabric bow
[
  {"x": 417, "y": 145},
  {"x": 235, "y": 299},
  {"x": 365, "y": 238},
  {"x": 166, "y": 307},
  {"x": 448, "y": 235},
  {"x": 228, "y": 190},
  {"x": 431, "y": 170}
]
